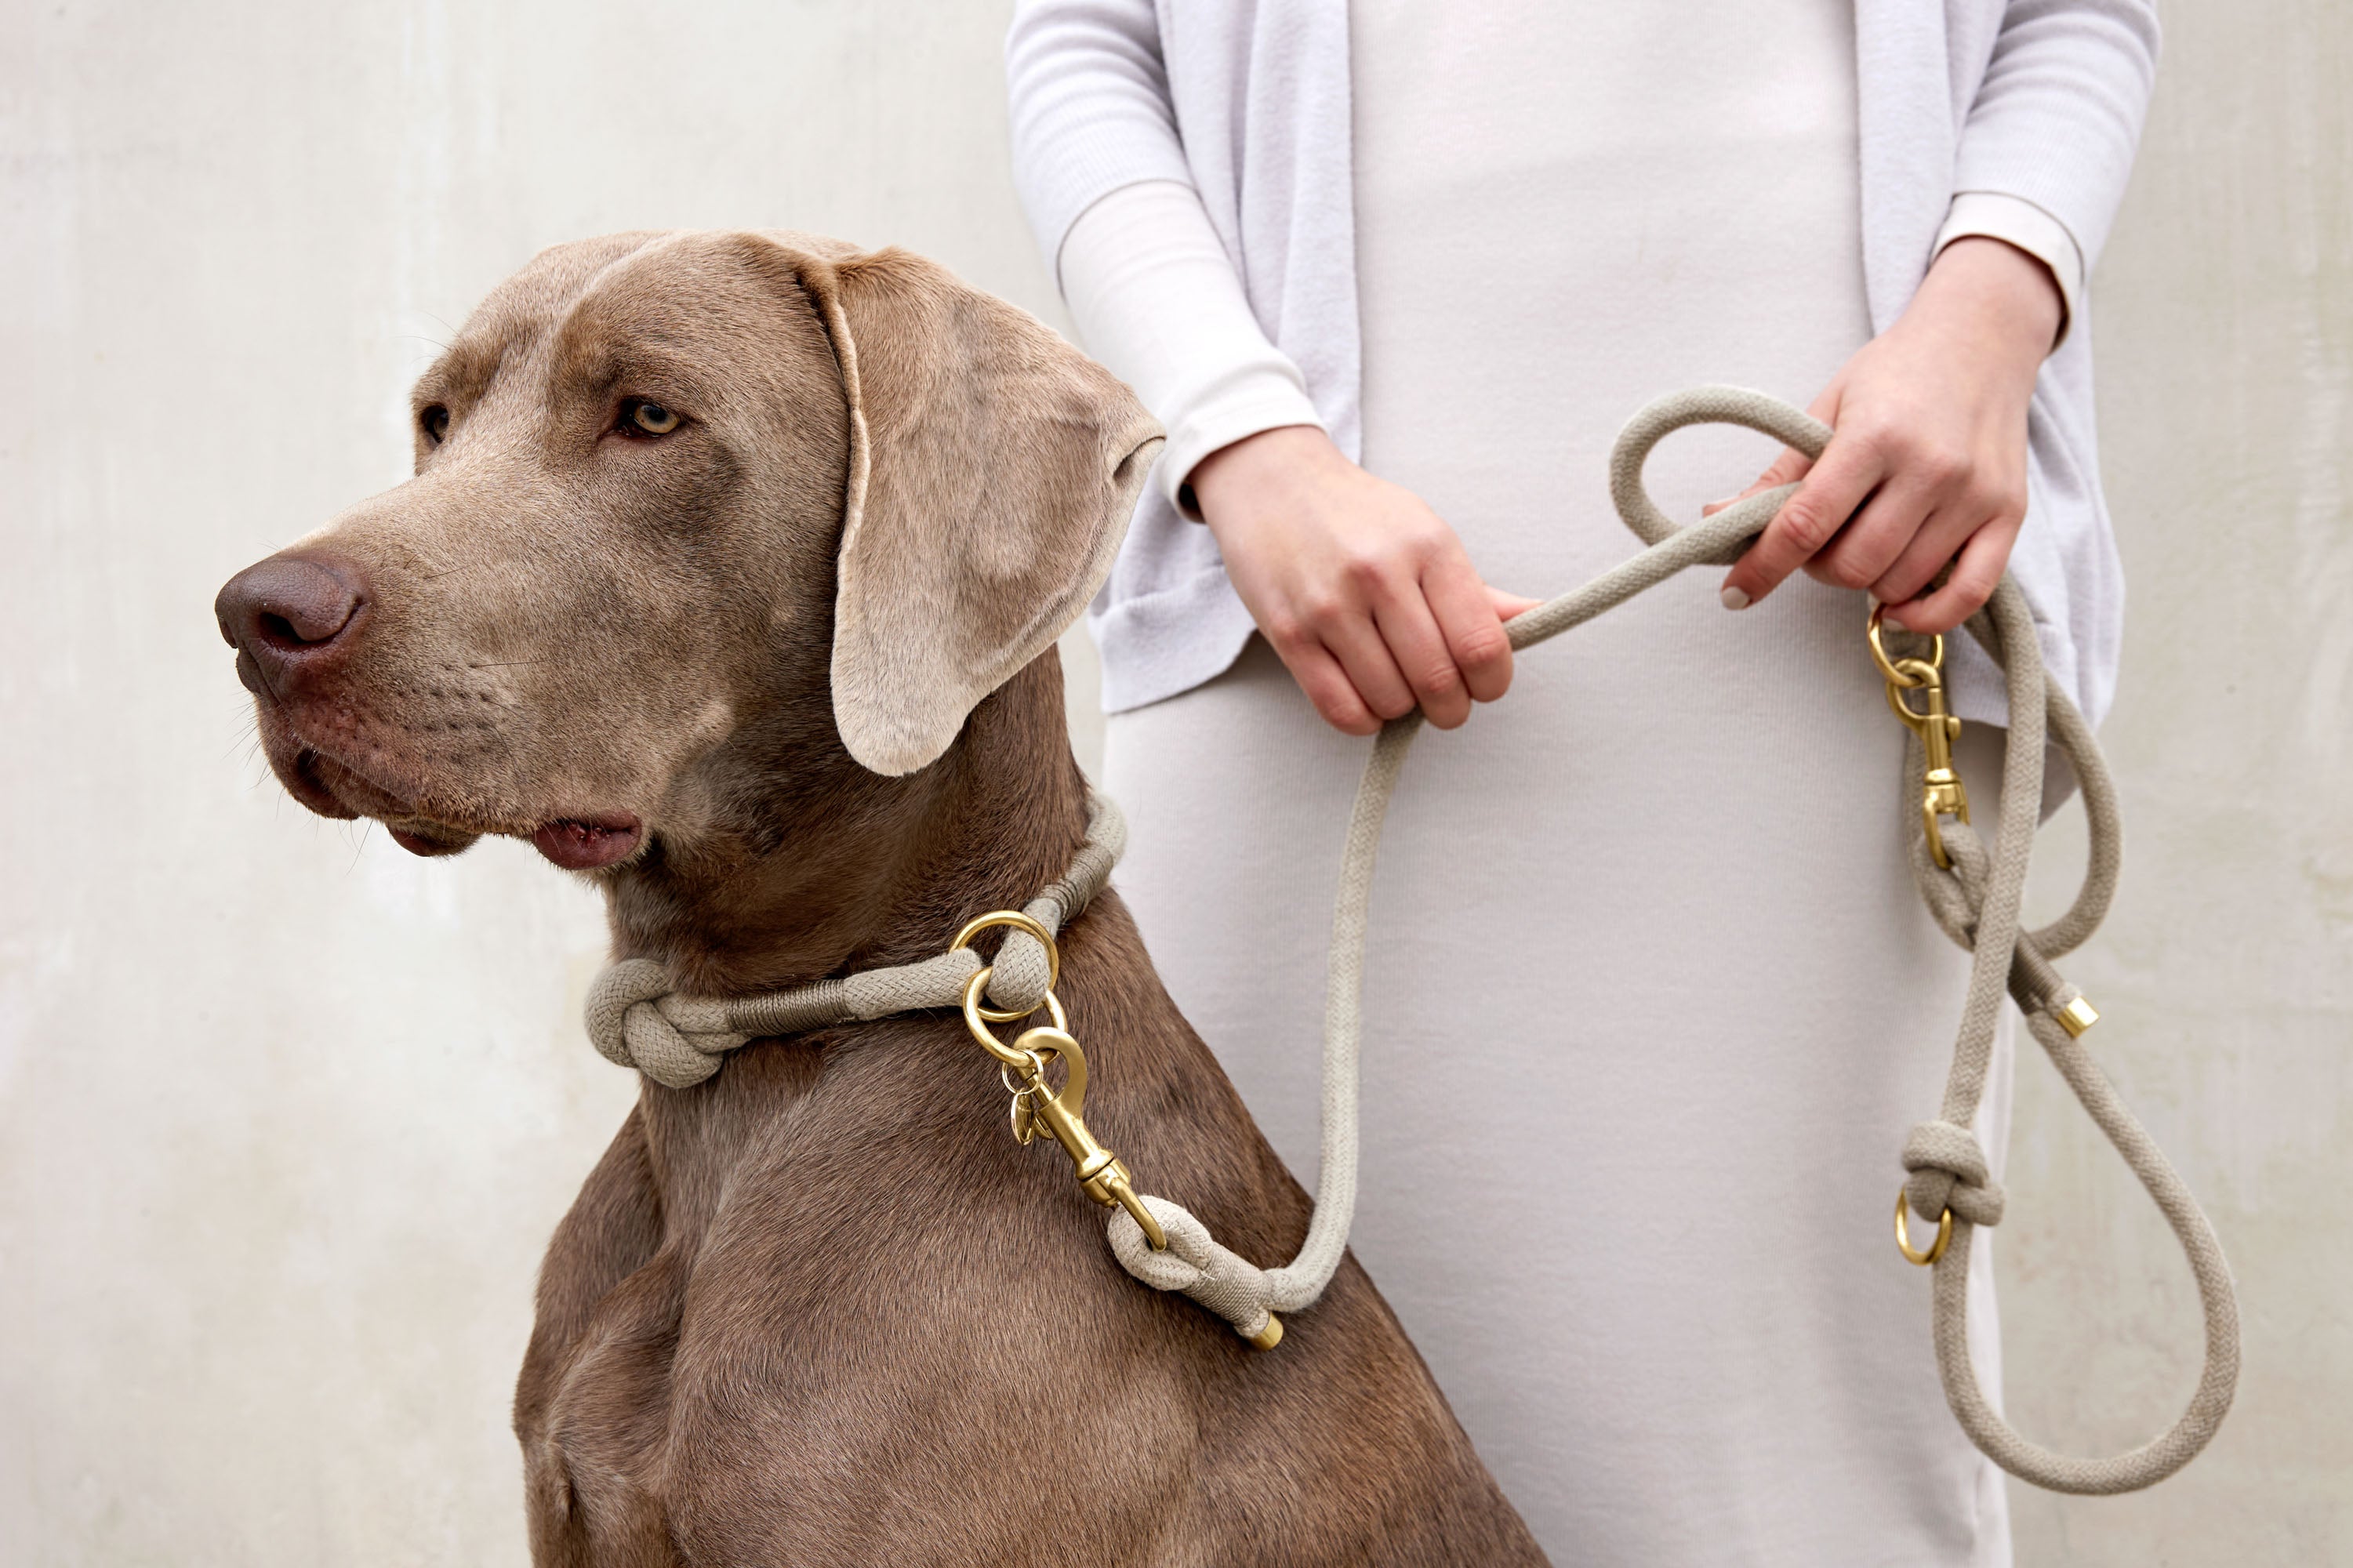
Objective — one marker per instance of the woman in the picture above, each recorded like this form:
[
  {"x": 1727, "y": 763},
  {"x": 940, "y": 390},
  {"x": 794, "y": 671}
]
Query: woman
[{"x": 1625, "y": 1168}]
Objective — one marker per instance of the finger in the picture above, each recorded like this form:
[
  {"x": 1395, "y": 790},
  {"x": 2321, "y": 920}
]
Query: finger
[
  {"x": 1417, "y": 647},
  {"x": 1976, "y": 571},
  {"x": 1977, "y": 506},
  {"x": 1808, "y": 521},
  {"x": 1875, "y": 538},
  {"x": 1328, "y": 687},
  {"x": 1786, "y": 470},
  {"x": 1940, "y": 540},
  {"x": 1508, "y": 604},
  {"x": 1364, "y": 654},
  {"x": 1472, "y": 625}
]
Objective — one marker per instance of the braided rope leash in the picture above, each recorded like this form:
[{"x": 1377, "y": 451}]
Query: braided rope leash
[
  {"x": 636, "y": 1020},
  {"x": 1975, "y": 897}
]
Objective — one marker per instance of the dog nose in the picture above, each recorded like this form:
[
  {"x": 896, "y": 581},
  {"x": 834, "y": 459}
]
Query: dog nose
[{"x": 280, "y": 610}]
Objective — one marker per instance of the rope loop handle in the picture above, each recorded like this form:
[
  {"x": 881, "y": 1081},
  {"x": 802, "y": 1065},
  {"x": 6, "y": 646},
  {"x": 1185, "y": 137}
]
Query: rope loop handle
[
  {"x": 1661, "y": 418},
  {"x": 1973, "y": 895}
]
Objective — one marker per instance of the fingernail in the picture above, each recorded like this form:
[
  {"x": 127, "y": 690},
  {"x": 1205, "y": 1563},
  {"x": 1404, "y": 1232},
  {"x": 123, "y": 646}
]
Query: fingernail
[
  {"x": 1732, "y": 598},
  {"x": 1891, "y": 618}
]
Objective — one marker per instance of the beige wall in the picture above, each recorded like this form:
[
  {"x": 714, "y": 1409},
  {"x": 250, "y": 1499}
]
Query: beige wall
[
  {"x": 2225, "y": 329},
  {"x": 286, "y": 1115}
]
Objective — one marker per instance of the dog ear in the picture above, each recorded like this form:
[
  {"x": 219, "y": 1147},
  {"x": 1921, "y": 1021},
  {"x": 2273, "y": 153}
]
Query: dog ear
[{"x": 992, "y": 471}]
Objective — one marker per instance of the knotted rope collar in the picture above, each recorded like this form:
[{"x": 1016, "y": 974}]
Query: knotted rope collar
[
  {"x": 1973, "y": 894},
  {"x": 636, "y": 1020}
]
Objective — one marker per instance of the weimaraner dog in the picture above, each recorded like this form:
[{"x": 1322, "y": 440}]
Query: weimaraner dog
[{"x": 729, "y": 577}]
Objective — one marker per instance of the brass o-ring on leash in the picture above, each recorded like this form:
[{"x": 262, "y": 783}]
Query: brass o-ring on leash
[
  {"x": 1893, "y": 669},
  {"x": 1903, "y": 1235},
  {"x": 1020, "y": 922},
  {"x": 1012, "y": 1056}
]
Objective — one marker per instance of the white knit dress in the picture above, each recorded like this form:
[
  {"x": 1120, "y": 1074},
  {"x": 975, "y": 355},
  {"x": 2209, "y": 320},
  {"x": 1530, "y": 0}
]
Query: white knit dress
[{"x": 1651, "y": 1002}]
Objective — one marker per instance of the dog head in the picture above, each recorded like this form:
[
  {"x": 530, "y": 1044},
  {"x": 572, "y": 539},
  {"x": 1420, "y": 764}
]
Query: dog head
[{"x": 670, "y": 486}]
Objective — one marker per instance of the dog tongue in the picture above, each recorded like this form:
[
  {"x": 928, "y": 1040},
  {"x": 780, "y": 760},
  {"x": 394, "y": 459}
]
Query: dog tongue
[{"x": 578, "y": 845}]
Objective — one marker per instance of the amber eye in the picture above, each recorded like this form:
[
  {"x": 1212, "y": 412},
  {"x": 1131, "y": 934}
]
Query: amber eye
[
  {"x": 651, "y": 417},
  {"x": 435, "y": 422}
]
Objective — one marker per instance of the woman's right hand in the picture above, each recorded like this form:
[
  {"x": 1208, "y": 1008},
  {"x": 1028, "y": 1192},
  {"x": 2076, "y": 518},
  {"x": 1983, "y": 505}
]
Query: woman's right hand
[{"x": 1363, "y": 591}]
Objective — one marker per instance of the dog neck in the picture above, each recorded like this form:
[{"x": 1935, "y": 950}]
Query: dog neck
[{"x": 825, "y": 867}]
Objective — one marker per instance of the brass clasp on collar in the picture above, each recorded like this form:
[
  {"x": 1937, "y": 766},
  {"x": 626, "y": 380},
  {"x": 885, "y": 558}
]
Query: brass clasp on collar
[{"x": 1036, "y": 1105}]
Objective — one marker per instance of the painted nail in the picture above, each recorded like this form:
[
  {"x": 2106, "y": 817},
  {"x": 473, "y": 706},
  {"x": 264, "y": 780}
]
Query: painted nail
[
  {"x": 1892, "y": 619},
  {"x": 1732, "y": 598}
]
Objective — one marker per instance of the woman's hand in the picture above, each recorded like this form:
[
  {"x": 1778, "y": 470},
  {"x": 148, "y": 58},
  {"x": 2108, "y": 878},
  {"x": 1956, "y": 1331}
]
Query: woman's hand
[
  {"x": 1929, "y": 462},
  {"x": 1364, "y": 594}
]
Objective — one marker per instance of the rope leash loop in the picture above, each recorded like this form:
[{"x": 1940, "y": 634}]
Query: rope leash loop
[{"x": 1973, "y": 895}]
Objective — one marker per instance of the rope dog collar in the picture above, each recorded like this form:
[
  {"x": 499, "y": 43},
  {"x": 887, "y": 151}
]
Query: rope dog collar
[{"x": 636, "y": 1020}]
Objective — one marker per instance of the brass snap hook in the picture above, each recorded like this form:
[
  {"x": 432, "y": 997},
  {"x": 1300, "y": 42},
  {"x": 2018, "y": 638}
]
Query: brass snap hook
[
  {"x": 1036, "y": 1106},
  {"x": 1942, "y": 794}
]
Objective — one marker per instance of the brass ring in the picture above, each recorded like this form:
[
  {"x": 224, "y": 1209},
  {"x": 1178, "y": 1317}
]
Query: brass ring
[
  {"x": 1896, "y": 673},
  {"x": 1903, "y": 1235},
  {"x": 1021, "y": 922},
  {"x": 973, "y": 1013},
  {"x": 1897, "y": 688}
]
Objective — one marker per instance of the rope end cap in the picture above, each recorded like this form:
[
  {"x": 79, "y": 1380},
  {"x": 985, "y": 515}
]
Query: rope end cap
[{"x": 2077, "y": 1017}]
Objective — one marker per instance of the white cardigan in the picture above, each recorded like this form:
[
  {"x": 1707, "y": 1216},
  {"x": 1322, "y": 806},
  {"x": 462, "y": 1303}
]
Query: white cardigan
[{"x": 2040, "y": 102}]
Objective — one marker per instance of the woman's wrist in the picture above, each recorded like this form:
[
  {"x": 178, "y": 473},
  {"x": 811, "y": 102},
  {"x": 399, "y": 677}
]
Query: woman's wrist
[
  {"x": 1268, "y": 460},
  {"x": 1996, "y": 298}
]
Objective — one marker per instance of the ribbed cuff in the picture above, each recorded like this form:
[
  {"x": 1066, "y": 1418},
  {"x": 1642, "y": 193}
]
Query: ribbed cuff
[
  {"x": 1262, "y": 400},
  {"x": 1156, "y": 298},
  {"x": 2014, "y": 220}
]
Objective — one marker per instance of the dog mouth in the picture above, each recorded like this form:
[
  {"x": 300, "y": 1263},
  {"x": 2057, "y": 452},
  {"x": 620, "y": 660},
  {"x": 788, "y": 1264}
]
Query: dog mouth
[
  {"x": 588, "y": 844},
  {"x": 328, "y": 785}
]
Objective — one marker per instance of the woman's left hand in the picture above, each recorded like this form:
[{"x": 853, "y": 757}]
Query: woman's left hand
[{"x": 1928, "y": 464}]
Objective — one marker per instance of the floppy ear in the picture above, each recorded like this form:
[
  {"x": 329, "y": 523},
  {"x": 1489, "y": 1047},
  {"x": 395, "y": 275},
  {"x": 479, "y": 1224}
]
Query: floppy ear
[{"x": 992, "y": 471}]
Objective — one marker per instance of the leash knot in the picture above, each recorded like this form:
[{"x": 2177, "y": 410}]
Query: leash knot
[
  {"x": 1225, "y": 1282},
  {"x": 1949, "y": 1169},
  {"x": 636, "y": 1020}
]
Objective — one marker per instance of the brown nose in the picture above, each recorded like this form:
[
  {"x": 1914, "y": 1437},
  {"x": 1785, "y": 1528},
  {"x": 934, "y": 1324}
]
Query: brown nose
[{"x": 281, "y": 612}]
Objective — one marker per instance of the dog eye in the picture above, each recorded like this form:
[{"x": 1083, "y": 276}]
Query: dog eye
[
  {"x": 435, "y": 422},
  {"x": 651, "y": 417}
]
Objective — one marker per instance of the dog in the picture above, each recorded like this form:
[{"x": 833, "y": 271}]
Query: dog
[{"x": 729, "y": 577}]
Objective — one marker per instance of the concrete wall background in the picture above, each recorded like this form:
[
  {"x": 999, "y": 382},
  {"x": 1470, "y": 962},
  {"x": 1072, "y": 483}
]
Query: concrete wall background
[{"x": 286, "y": 1115}]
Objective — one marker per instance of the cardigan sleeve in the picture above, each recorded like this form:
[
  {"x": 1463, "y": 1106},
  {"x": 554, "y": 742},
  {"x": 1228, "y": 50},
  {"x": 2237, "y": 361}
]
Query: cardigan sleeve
[
  {"x": 1088, "y": 99},
  {"x": 1156, "y": 300},
  {"x": 1102, "y": 169},
  {"x": 2054, "y": 125}
]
